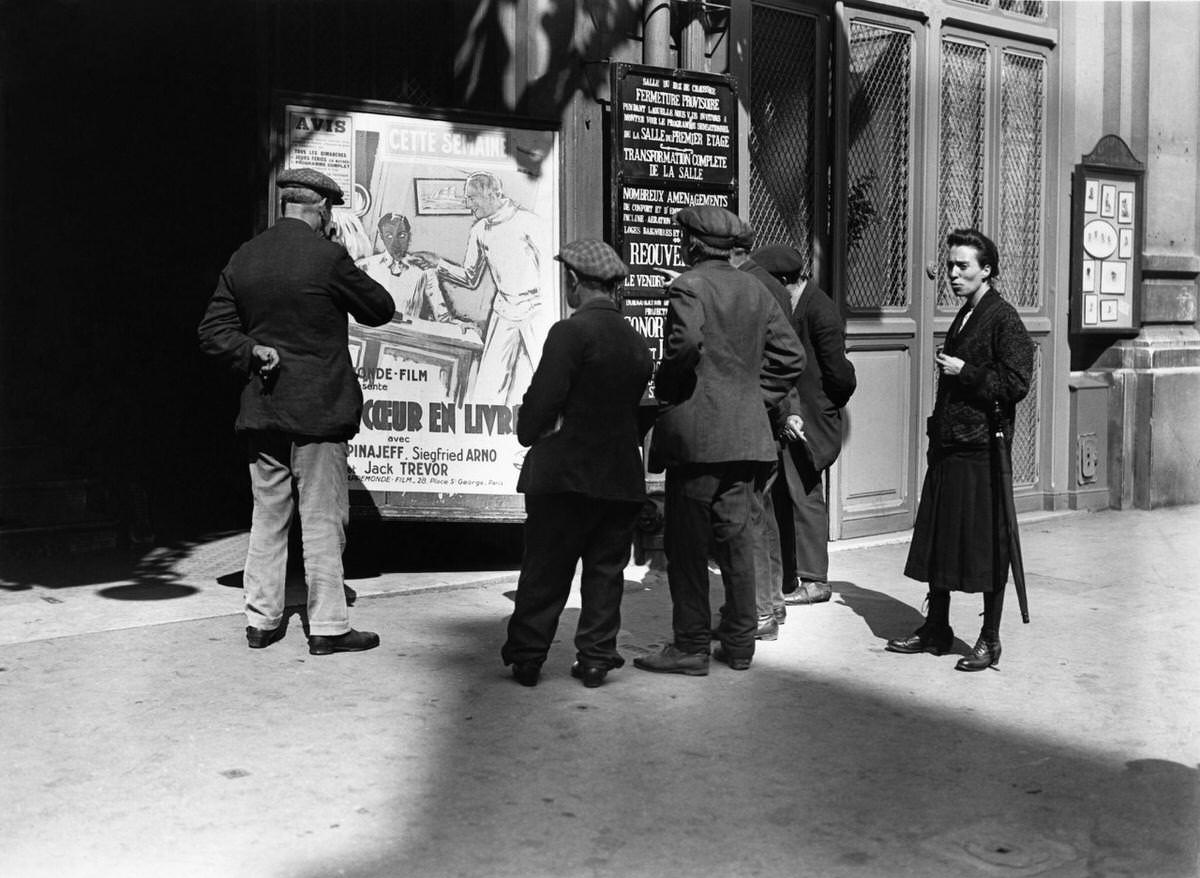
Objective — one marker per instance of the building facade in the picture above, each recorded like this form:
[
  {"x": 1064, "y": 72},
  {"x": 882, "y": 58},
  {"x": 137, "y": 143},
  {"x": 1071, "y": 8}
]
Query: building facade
[{"x": 867, "y": 130}]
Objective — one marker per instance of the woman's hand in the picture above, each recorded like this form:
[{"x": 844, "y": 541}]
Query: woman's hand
[{"x": 948, "y": 364}]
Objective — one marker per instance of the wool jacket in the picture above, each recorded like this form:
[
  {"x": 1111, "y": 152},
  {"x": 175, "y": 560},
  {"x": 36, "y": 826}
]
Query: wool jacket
[
  {"x": 580, "y": 412},
  {"x": 291, "y": 289},
  {"x": 729, "y": 358},
  {"x": 998, "y": 365}
]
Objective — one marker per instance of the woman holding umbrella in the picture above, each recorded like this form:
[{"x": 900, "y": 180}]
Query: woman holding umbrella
[{"x": 961, "y": 539}]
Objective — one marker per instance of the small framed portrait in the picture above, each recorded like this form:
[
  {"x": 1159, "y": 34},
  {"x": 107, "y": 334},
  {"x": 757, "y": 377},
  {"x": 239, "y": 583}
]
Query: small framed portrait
[
  {"x": 1088, "y": 276},
  {"x": 437, "y": 196},
  {"x": 1091, "y": 195},
  {"x": 1108, "y": 200},
  {"x": 1108, "y": 310},
  {"x": 1112, "y": 277},
  {"x": 1125, "y": 248},
  {"x": 1124, "y": 207},
  {"x": 1091, "y": 310}
]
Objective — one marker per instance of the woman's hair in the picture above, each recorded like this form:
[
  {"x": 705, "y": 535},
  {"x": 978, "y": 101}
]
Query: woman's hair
[
  {"x": 985, "y": 249},
  {"x": 351, "y": 234}
]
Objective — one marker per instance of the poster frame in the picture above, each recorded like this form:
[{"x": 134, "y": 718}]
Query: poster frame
[
  {"x": 374, "y": 504},
  {"x": 1108, "y": 177}
]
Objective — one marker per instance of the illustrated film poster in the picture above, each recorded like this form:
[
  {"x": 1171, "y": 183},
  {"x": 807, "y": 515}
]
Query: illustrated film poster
[{"x": 459, "y": 222}]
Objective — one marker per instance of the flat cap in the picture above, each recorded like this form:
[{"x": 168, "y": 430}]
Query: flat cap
[
  {"x": 715, "y": 226},
  {"x": 780, "y": 260},
  {"x": 593, "y": 259},
  {"x": 744, "y": 239},
  {"x": 307, "y": 178}
]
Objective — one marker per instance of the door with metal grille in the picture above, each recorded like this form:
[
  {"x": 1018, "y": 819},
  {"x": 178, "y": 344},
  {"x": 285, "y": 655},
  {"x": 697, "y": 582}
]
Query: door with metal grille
[
  {"x": 941, "y": 124},
  {"x": 873, "y": 132}
]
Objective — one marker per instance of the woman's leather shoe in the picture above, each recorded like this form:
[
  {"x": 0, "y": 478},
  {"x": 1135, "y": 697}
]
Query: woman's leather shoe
[
  {"x": 986, "y": 654},
  {"x": 927, "y": 638}
]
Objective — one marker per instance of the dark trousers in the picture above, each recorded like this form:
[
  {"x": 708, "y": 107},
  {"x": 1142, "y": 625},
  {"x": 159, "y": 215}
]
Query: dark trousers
[
  {"x": 803, "y": 518},
  {"x": 713, "y": 507},
  {"x": 795, "y": 531},
  {"x": 560, "y": 530}
]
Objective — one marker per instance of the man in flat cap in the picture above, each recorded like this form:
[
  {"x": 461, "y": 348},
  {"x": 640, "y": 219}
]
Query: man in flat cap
[
  {"x": 278, "y": 319},
  {"x": 583, "y": 477},
  {"x": 800, "y": 529},
  {"x": 729, "y": 359}
]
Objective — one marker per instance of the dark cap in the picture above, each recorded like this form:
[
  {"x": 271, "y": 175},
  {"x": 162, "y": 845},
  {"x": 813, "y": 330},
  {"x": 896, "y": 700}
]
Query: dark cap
[
  {"x": 780, "y": 260},
  {"x": 715, "y": 226},
  {"x": 307, "y": 178},
  {"x": 593, "y": 259},
  {"x": 744, "y": 240}
]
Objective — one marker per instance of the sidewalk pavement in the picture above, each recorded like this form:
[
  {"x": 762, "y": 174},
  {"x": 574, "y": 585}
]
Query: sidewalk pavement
[{"x": 141, "y": 737}]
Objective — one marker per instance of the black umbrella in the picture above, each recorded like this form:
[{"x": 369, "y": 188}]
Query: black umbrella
[{"x": 1003, "y": 463}]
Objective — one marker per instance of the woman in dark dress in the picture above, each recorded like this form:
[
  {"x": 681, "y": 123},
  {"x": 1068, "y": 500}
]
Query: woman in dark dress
[{"x": 960, "y": 540}]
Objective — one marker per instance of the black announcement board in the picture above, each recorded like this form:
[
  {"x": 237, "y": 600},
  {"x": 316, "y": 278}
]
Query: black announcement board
[{"x": 674, "y": 144}]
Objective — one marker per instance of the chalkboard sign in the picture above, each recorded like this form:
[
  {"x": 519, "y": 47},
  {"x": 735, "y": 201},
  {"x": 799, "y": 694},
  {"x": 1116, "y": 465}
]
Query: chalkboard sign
[{"x": 674, "y": 144}]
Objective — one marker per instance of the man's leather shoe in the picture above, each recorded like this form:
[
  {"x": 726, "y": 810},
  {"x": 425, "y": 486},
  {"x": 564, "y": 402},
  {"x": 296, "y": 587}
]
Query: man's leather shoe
[
  {"x": 591, "y": 675},
  {"x": 526, "y": 673},
  {"x": 780, "y": 614},
  {"x": 258, "y": 638},
  {"x": 739, "y": 663},
  {"x": 927, "y": 638},
  {"x": 768, "y": 628},
  {"x": 670, "y": 660},
  {"x": 986, "y": 654},
  {"x": 809, "y": 592},
  {"x": 351, "y": 641}
]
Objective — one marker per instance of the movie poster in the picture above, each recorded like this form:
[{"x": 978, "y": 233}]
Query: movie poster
[{"x": 459, "y": 222}]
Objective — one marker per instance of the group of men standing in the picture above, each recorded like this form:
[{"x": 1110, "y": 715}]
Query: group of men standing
[
  {"x": 749, "y": 392},
  {"x": 731, "y": 416}
]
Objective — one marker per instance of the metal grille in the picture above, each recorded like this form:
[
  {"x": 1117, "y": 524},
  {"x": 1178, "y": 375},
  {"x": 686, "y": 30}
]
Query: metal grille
[
  {"x": 1026, "y": 429},
  {"x": 1028, "y": 8},
  {"x": 783, "y": 73},
  {"x": 878, "y": 184},
  {"x": 963, "y": 139},
  {"x": 1022, "y": 102}
]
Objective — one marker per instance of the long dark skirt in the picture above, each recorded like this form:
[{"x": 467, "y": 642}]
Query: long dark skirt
[{"x": 960, "y": 539}]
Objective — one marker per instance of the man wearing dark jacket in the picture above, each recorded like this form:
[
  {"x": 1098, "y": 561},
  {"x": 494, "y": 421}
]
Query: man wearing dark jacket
[
  {"x": 582, "y": 478},
  {"x": 729, "y": 358},
  {"x": 770, "y": 606},
  {"x": 278, "y": 319},
  {"x": 800, "y": 505}
]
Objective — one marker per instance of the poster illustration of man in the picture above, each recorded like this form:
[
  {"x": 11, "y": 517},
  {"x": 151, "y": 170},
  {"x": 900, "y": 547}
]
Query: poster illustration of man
[
  {"x": 457, "y": 230},
  {"x": 504, "y": 241}
]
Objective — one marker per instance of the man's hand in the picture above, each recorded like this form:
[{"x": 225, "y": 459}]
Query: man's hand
[
  {"x": 266, "y": 357},
  {"x": 424, "y": 259},
  {"x": 793, "y": 428}
]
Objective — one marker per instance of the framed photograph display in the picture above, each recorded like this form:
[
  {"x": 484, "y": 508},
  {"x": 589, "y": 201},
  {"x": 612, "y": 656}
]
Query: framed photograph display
[
  {"x": 1106, "y": 230},
  {"x": 458, "y": 217}
]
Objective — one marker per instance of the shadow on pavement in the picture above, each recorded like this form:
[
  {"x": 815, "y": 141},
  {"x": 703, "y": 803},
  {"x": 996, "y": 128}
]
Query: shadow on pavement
[
  {"x": 888, "y": 617},
  {"x": 753, "y": 773}
]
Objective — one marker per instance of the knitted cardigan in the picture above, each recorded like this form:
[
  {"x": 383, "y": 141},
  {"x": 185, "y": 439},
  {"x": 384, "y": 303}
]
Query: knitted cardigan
[{"x": 998, "y": 365}]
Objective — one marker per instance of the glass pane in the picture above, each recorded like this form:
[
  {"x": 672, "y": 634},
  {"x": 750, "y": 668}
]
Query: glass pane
[
  {"x": 878, "y": 164},
  {"x": 1028, "y": 8},
  {"x": 961, "y": 158},
  {"x": 783, "y": 71},
  {"x": 1022, "y": 148}
]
